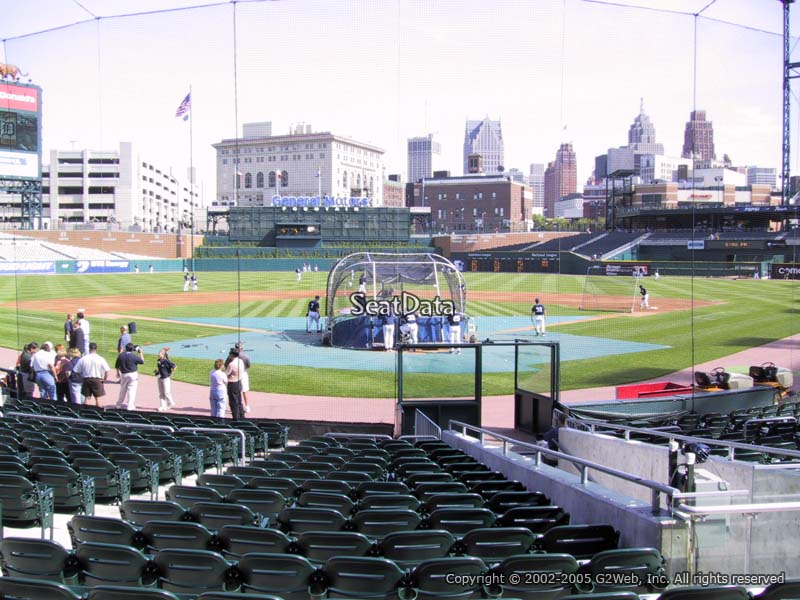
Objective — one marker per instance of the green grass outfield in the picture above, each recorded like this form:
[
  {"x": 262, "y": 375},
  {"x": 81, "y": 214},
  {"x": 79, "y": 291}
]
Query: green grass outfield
[{"x": 750, "y": 313}]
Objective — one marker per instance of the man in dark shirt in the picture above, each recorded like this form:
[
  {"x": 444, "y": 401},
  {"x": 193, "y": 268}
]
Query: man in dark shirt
[
  {"x": 77, "y": 337},
  {"x": 127, "y": 367},
  {"x": 312, "y": 316},
  {"x": 68, "y": 329}
]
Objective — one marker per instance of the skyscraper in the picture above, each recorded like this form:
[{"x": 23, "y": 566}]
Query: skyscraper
[
  {"x": 560, "y": 178},
  {"x": 485, "y": 138},
  {"x": 698, "y": 137},
  {"x": 642, "y": 134},
  {"x": 420, "y": 157},
  {"x": 536, "y": 181}
]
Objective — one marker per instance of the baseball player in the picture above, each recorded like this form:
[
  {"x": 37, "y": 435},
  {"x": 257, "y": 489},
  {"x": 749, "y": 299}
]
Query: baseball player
[
  {"x": 454, "y": 323},
  {"x": 645, "y": 302},
  {"x": 538, "y": 311},
  {"x": 194, "y": 282},
  {"x": 186, "y": 281},
  {"x": 362, "y": 283},
  {"x": 312, "y": 316},
  {"x": 388, "y": 321},
  {"x": 410, "y": 327}
]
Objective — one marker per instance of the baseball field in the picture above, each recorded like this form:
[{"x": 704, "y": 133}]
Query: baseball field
[{"x": 691, "y": 320}]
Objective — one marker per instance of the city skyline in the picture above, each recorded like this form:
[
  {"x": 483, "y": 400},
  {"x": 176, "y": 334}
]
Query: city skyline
[{"x": 406, "y": 72}]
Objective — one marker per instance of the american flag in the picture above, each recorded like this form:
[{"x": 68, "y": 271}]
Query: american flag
[{"x": 185, "y": 107}]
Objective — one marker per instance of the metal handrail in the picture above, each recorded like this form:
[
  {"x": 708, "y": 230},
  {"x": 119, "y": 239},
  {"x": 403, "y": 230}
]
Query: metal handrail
[
  {"x": 358, "y": 436},
  {"x": 593, "y": 424},
  {"x": 425, "y": 426},
  {"x": 223, "y": 430},
  {"x": 656, "y": 488},
  {"x": 738, "y": 509},
  {"x": 92, "y": 421}
]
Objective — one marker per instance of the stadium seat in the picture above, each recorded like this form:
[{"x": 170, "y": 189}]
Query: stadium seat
[
  {"x": 319, "y": 546},
  {"x": 720, "y": 592},
  {"x": 269, "y": 465},
  {"x": 361, "y": 577},
  {"x": 493, "y": 544},
  {"x": 215, "y": 515},
  {"x": 423, "y": 490},
  {"x": 376, "y": 523},
  {"x": 581, "y": 541},
  {"x": 399, "y": 501},
  {"x": 192, "y": 571},
  {"x": 30, "y": 558},
  {"x": 429, "y": 578},
  {"x": 414, "y": 479},
  {"x": 187, "y": 495},
  {"x": 14, "y": 588},
  {"x": 435, "y": 501},
  {"x": 788, "y": 590},
  {"x": 285, "y": 486},
  {"x": 111, "y": 484},
  {"x": 553, "y": 568},
  {"x": 176, "y": 534},
  {"x": 140, "y": 512},
  {"x": 113, "y": 564},
  {"x": 298, "y": 519},
  {"x": 333, "y": 486},
  {"x": 107, "y": 530},
  {"x": 285, "y": 575},
  {"x": 369, "y": 488},
  {"x": 71, "y": 492},
  {"x": 459, "y": 520},
  {"x": 25, "y": 504},
  {"x": 235, "y": 596},
  {"x": 409, "y": 548},
  {"x": 238, "y": 540},
  {"x": 351, "y": 477},
  {"x": 326, "y": 500},
  {"x": 221, "y": 483},
  {"x": 645, "y": 563},
  {"x": 267, "y": 503},
  {"x": 502, "y": 501},
  {"x": 536, "y": 518}
]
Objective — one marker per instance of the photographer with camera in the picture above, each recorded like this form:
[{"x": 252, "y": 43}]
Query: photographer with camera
[
  {"x": 164, "y": 370},
  {"x": 127, "y": 367}
]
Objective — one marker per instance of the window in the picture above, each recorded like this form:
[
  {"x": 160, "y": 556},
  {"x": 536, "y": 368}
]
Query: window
[
  {"x": 259, "y": 180},
  {"x": 284, "y": 179},
  {"x": 271, "y": 179},
  {"x": 358, "y": 181},
  {"x": 237, "y": 180},
  {"x": 322, "y": 155},
  {"x": 248, "y": 180},
  {"x": 344, "y": 180}
]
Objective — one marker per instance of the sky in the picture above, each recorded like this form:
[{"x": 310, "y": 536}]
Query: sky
[{"x": 381, "y": 71}]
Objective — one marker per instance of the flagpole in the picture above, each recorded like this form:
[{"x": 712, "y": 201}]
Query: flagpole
[{"x": 191, "y": 177}]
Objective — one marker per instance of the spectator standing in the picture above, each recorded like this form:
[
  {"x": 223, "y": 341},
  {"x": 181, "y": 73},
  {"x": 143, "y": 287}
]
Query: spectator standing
[
  {"x": 87, "y": 331},
  {"x": 245, "y": 375},
  {"x": 43, "y": 365},
  {"x": 127, "y": 366},
  {"x": 124, "y": 339},
  {"x": 63, "y": 371},
  {"x": 218, "y": 395},
  {"x": 77, "y": 338},
  {"x": 94, "y": 369},
  {"x": 164, "y": 370},
  {"x": 75, "y": 378},
  {"x": 234, "y": 372},
  {"x": 24, "y": 367},
  {"x": 68, "y": 329}
]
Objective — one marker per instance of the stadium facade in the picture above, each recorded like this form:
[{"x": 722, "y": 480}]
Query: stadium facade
[{"x": 253, "y": 169}]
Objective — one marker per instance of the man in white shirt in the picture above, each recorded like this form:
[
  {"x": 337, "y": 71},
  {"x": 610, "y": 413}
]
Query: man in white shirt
[
  {"x": 94, "y": 370},
  {"x": 86, "y": 328},
  {"x": 43, "y": 365}
]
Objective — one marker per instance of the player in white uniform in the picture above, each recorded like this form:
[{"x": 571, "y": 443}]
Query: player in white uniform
[
  {"x": 454, "y": 322},
  {"x": 538, "y": 311},
  {"x": 312, "y": 316},
  {"x": 645, "y": 302}
]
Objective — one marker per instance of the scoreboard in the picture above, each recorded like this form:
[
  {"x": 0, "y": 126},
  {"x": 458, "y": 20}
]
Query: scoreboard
[{"x": 506, "y": 262}]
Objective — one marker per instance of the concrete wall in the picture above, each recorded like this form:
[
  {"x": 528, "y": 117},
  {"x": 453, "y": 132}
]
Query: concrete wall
[
  {"x": 720, "y": 542},
  {"x": 591, "y": 503}
]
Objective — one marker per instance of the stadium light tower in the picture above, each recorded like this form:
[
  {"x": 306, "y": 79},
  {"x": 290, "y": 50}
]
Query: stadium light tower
[{"x": 789, "y": 72}]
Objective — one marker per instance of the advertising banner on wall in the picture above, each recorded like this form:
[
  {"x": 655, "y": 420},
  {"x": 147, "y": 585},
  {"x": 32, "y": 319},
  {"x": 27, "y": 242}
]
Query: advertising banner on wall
[
  {"x": 102, "y": 266},
  {"x": 20, "y": 131},
  {"x": 11, "y": 267},
  {"x": 785, "y": 271}
]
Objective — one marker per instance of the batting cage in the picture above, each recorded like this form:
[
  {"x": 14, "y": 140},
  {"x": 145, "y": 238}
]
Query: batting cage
[{"x": 419, "y": 291}]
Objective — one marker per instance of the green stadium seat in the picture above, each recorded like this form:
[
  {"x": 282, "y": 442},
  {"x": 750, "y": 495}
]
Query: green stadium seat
[
  {"x": 285, "y": 575},
  {"x": 319, "y": 546},
  {"x": 238, "y": 540},
  {"x": 112, "y": 564},
  {"x": 409, "y": 548},
  {"x": 361, "y": 577}
]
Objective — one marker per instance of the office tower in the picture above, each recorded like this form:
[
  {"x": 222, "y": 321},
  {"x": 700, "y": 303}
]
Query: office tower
[
  {"x": 485, "y": 138},
  {"x": 420, "y": 156},
  {"x": 560, "y": 178},
  {"x": 698, "y": 137}
]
